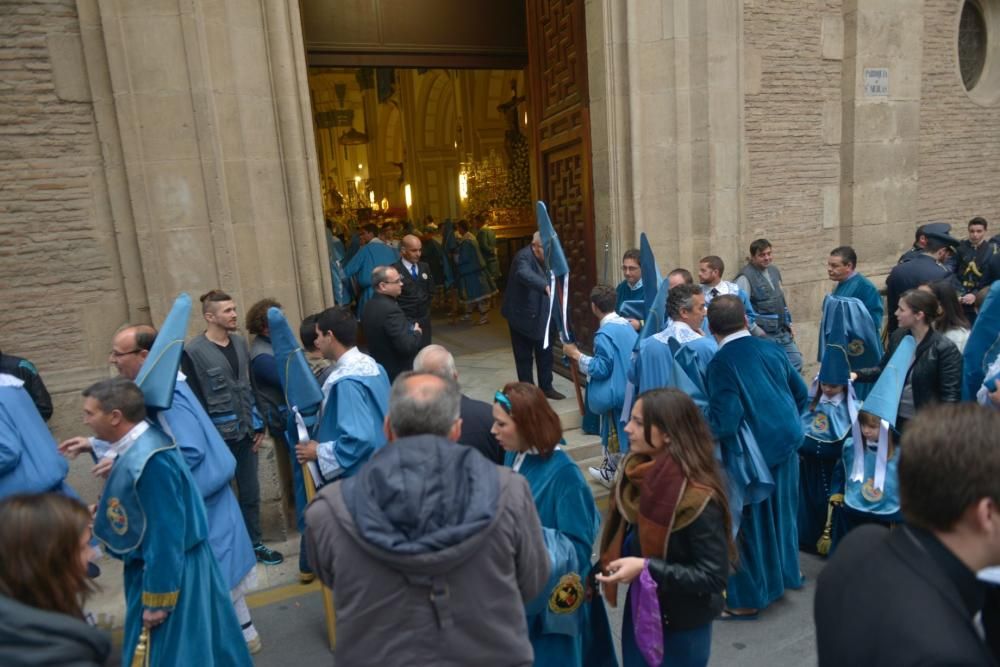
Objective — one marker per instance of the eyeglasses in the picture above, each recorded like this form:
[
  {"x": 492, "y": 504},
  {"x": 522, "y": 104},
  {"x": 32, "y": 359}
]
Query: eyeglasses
[
  {"x": 118, "y": 355},
  {"x": 398, "y": 281},
  {"x": 504, "y": 402}
]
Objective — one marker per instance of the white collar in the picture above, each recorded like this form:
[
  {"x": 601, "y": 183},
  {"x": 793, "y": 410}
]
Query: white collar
[
  {"x": 682, "y": 331},
  {"x": 409, "y": 265},
  {"x": 520, "y": 456},
  {"x": 742, "y": 333},
  {"x": 122, "y": 445},
  {"x": 7, "y": 380},
  {"x": 836, "y": 400},
  {"x": 613, "y": 318},
  {"x": 352, "y": 362}
]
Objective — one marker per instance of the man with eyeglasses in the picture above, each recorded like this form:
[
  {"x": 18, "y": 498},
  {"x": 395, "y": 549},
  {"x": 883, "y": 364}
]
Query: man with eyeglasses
[
  {"x": 630, "y": 289},
  {"x": 393, "y": 339}
]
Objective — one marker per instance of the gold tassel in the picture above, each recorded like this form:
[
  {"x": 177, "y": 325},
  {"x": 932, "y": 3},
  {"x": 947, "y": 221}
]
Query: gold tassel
[
  {"x": 141, "y": 656},
  {"x": 826, "y": 539}
]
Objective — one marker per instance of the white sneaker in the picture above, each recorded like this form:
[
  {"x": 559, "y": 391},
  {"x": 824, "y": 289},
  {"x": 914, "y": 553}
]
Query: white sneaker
[{"x": 605, "y": 474}]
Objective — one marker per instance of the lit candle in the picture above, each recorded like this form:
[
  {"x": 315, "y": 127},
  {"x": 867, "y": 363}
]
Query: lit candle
[
  {"x": 408, "y": 193},
  {"x": 371, "y": 198}
]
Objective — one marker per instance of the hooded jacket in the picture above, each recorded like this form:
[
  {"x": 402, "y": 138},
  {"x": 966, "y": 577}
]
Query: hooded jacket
[
  {"x": 431, "y": 552},
  {"x": 37, "y": 638}
]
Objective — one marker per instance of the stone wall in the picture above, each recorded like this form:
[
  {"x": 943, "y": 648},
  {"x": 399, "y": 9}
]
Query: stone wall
[
  {"x": 959, "y": 139},
  {"x": 792, "y": 93}
]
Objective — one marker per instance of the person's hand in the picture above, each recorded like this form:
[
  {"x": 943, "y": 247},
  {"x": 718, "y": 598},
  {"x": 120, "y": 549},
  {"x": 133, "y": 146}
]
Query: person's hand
[
  {"x": 74, "y": 447},
  {"x": 636, "y": 324},
  {"x": 257, "y": 439},
  {"x": 151, "y": 619},
  {"x": 306, "y": 451},
  {"x": 853, "y": 376},
  {"x": 622, "y": 571},
  {"x": 968, "y": 299},
  {"x": 571, "y": 351},
  {"x": 416, "y": 328},
  {"x": 103, "y": 467}
]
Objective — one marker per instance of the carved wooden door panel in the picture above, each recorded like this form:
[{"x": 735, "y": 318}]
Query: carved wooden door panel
[{"x": 559, "y": 120}]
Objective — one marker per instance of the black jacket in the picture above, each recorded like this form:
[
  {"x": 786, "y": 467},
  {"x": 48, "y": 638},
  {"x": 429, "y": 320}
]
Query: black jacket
[
  {"x": 910, "y": 274},
  {"x": 415, "y": 299},
  {"x": 477, "y": 420},
  {"x": 25, "y": 371},
  {"x": 691, "y": 579},
  {"x": 885, "y": 599},
  {"x": 936, "y": 373},
  {"x": 391, "y": 339},
  {"x": 525, "y": 304}
]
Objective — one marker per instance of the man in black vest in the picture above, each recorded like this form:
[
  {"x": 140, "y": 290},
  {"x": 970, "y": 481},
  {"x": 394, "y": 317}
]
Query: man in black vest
[
  {"x": 418, "y": 286},
  {"x": 393, "y": 340},
  {"x": 910, "y": 596},
  {"x": 217, "y": 363},
  {"x": 762, "y": 281}
]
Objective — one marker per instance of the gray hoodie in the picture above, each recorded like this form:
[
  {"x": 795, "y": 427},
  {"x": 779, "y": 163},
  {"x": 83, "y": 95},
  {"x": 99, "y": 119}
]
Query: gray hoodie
[
  {"x": 431, "y": 551},
  {"x": 31, "y": 637}
]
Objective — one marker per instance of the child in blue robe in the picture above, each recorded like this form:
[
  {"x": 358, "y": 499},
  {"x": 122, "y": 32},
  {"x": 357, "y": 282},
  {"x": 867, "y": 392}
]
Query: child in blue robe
[
  {"x": 607, "y": 372},
  {"x": 827, "y": 425}
]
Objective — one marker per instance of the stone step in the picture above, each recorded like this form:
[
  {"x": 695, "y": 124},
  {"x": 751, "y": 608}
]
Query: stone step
[
  {"x": 580, "y": 445},
  {"x": 569, "y": 413}
]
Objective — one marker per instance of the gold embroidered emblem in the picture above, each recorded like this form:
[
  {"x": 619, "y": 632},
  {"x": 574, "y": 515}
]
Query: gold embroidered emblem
[
  {"x": 856, "y": 347},
  {"x": 869, "y": 492},
  {"x": 820, "y": 423},
  {"x": 567, "y": 595},
  {"x": 117, "y": 517}
]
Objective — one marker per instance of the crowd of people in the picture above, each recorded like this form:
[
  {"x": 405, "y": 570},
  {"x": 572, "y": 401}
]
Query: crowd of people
[{"x": 454, "y": 531}]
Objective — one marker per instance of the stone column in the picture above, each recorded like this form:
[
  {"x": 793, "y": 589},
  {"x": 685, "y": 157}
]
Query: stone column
[{"x": 880, "y": 143}]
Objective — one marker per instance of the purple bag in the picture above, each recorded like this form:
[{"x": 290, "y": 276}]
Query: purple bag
[{"x": 646, "y": 621}]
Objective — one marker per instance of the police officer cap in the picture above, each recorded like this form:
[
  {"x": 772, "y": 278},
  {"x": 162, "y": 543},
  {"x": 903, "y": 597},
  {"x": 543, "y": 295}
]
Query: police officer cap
[{"x": 936, "y": 229}]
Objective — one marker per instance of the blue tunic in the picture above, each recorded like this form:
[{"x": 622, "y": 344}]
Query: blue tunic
[
  {"x": 694, "y": 357},
  {"x": 751, "y": 382},
  {"x": 151, "y": 516},
  {"x": 212, "y": 467},
  {"x": 607, "y": 373},
  {"x": 352, "y": 422},
  {"x": 865, "y": 291},
  {"x": 360, "y": 267},
  {"x": 634, "y": 296},
  {"x": 337, "y": 251},
  {"x": 566, "y": 507},
  {"x": 29, "y": 458},
  {"x": 473, "y": 282},
  {"x": 827, "y": 428}
]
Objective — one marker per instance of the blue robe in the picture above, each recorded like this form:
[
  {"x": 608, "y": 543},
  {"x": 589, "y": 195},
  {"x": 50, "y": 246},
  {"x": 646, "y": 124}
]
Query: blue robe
[
  {"x": 827, "y": 428},
  {"x": 360, "y": 267},
  {"x": 352, "y": 420},
  {"x": 631, "y": 300},
  {"x": 653, "y": 366},
  {"x": 30, "y": 461},
  {"x": 569, "y": 516},
  {"x": 212, "y": 467},
  {"x": 607, "y": 373},
  {"x": 474, "y": 284},
  {"x": 337, "y": 251},
  {"x": 846, "y": 322},
  {"x": 694, "y": 357},
  {"x": 151, "y": 516},
  {"x": 864, "y": 290},
  {"x": 751, "y": 383}
]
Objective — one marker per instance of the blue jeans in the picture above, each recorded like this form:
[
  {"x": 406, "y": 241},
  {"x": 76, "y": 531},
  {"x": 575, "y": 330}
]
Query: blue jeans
[
  {"x": 681, "y": 648},
  {"x": 785, "y": 340}
]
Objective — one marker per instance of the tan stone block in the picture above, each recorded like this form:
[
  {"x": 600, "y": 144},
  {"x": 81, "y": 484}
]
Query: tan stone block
[
  {"x": 657, "y": 114},
  {"x": 247, "y": 14},
  {"x": 881, "y": 160},
  {"x": 166, "y": 126},
  {"x": 188, "y": 259},
  {"x": 832, "y": 122},
  {"x": 697, "y": 19},
  {"x": 148, "y": 8},
  {"x": 667, "y": 21},
  {"x": 176, "y": 194},
  {"x": 228, "y": 126},
  {"x": 69, "y": 73},
  {"x": 249, "y": 54},
  {"x": 267, "y": 192},
  {"x": 649, "y": 19},
  {"x": 832, "y": 36},
  {"x": 155, "y": 53},
  {"x": 222, "y": 77},
  {"x": 655, "y": 63},
  {"x": 257, "y": 121},
  {"x": 831, "y": 206},
  {"x": 238, "y": 191},
  {"x": 752, "y": 70},
  {"x": 724, "y": 157}
]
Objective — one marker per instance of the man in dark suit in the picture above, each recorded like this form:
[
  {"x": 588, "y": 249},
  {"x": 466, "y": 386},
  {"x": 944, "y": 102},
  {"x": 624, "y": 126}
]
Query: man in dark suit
[
  {"x": 910, "y": 596},
  {"x": 418, "y": 286},
  {"x": 526, "y": 307},
  {"x": 477, "y": 416},
  {"x": 393, "y": 340}
]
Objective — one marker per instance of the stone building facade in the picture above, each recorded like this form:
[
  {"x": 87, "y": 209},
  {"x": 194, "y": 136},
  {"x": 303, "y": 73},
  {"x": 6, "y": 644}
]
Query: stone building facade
[{"x": 166, "y": 145}]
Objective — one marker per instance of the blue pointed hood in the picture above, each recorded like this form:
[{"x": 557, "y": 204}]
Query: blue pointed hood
[
  {"x": 158, "y": 375},
  {"x": 555, "y": 258},
  {"x": 656, "y": 316},
  {"x": 301, "y": 388},
  {"x": 883, "y": 401},
  {"x": 982, "y": 346},
  {"x": 836, "y": 367},
  {"x": 650, "y": 271}
]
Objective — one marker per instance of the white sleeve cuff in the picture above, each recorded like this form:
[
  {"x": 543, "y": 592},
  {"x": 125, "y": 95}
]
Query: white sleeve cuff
[
  {"x": 328, "y": 464},
  {"x": 584, "y": 364}
]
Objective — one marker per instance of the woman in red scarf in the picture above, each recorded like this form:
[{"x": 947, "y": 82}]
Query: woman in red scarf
[{"x": 668, "y": 529}]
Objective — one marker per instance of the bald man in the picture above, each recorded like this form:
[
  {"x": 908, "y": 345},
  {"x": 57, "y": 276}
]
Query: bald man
[
  {"x": 418, "y": 286},
  {"x": 477, "y": 416}
]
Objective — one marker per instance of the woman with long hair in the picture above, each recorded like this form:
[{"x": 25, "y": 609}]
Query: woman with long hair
[
  {"x": 951, "y": 320},
  {"x": 668, "y": 527},
  {"x": 43, "y": 583},
  {"x": 564, "y": 629},
  {"x": 935, "y": 375}
]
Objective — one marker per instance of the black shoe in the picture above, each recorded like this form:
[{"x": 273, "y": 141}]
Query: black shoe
[
  {"x": 553, "y": 394},
  {"x": 267, "y": 556}
]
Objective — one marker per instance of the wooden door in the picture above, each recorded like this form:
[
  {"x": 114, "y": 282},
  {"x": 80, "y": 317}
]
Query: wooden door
[{"x": 559, "y": 120}]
